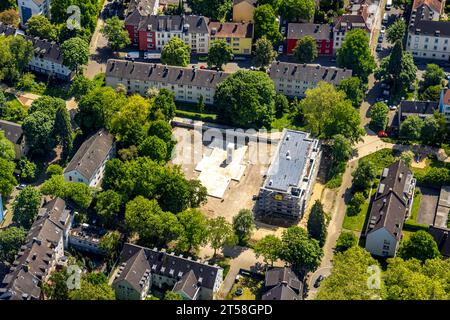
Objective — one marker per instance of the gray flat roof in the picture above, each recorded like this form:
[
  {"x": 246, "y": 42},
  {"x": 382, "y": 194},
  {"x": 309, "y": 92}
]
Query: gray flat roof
[{"x": 289, "y": 161}]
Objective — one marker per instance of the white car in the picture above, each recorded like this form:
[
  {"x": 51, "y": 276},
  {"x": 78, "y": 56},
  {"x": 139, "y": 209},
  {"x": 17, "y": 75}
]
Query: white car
[
  {"x": 383, "y": 29},
  {"x": 280, "y": 49},
  {"x": 392, "y": 107},
  {"x": 283, "y": 30}
]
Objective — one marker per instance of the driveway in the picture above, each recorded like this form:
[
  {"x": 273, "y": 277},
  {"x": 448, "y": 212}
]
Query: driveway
[{"x": 428, "y": 205}]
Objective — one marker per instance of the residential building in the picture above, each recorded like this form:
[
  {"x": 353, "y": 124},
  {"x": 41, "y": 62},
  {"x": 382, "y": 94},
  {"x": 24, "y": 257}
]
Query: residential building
[
  {"x": 238, "y": 35},
  {"x": 86, "y": 238},
  {"x": 155, "y": 31},
  {"x": 14, "y": 133},
  {"x": 243, "y": 10},
  {"x": 39, "y": 256},
  {"x": 441, "y": 219},
  {"x": 322, "y": 33},
  {"x": 47, "y": 58},
  {"x": 137, "y": 9},
  {"x": 293, "y": 79},
  {"x": 444, "y": 103},
  {"x": 345, "y": 23},
  {"x": 291, "y": 176},
  {"x": 282, "y": 284},
  {"x": 141, "y": 268},
  {"x": 187, "y": 84},
  {"x": 428, "y": 37},
  {"x": 29, "y": 8},
  {"x": 390, "y": 208},
  {"x": 440, "y": 235},
  {"x": 88, "y": 163},
  {"x": 422, "y": 109}
]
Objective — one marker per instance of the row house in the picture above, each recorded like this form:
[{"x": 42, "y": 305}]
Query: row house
[
  {"x": 47, "y": 59},
  {"x": 155, "y": 31},
  {"x": 135, "y": 11},
  {"x": 187, "y": 84},
  {"x": 141, "y": 268},
  {"x": 29, "y": 8},
  {"x": 293, "y": 79},
  {"x": 238, "y": 35},
  {"x": 428, "y": 37},
  {"x": 444, "y": 103},
  {"x": 322, "y": 33},
  {"x": 344, "y": 24},
  {"x": 42, "y": 252}
]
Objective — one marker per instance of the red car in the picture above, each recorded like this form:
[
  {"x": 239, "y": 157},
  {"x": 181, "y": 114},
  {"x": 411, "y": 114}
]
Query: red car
[
  {"x": 382, "y": 134},
  {"x": 202, "y": 67}
]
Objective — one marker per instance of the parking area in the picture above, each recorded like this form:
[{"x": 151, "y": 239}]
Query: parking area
[{"x": 428, "y": 205}]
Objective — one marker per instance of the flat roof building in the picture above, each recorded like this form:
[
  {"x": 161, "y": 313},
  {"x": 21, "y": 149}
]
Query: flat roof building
[{"x": 290, "y": 177}]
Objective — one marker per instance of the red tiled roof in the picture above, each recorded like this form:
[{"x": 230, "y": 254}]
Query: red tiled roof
[{"x": 436, "y": 5}]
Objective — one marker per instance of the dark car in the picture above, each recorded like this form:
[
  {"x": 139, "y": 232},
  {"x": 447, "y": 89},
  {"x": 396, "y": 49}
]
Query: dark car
[
  {"x": 318, "y": 281},
  {"x": 379, "y": 48}
]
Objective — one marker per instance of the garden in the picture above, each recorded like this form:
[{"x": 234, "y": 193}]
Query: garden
[{"x": 246, "y": 288}]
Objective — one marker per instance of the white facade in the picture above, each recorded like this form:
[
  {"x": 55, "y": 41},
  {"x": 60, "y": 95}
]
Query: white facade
[
  {"x": 49, "y": 67},
  {"x": 381, "y": 243},
  {"x": 185, "y": 93},
  {"x": 29, "y": 8},
  {"x": 199, "y": 42},
  {"x": 429, "y": 46}
]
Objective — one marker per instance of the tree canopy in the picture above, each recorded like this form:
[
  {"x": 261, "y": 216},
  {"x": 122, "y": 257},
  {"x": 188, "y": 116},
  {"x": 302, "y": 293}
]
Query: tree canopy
[
  {"x": 317, "y": 223},
  {"x": 295, "y": 10},
  {"x": 266, "y": 24},
  {"x": 420, "y": 246},
  {"x": 264, "y": 53},
  {"x": 11, "y": 239},
  {"x": 114, "y": 31},
  {"x": 40, "y": 26},
  {"x": 396, "y": 31},
  {"x": 26, "y": 207},
  {"x": 379, "y": 116},
  {"x": 176, "y": 53},
  {"x": 353, "y": 90},
  {"x": 306, "y": 49},
  {"x": 75, "y": 52},
  {"x": 219, "y": 53}
]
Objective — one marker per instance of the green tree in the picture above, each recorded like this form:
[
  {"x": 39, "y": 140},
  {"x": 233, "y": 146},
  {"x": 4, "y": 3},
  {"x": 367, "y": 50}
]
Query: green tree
[
  {"x": 294, "y": 10},
  {"x": 54, "y": 186},
  {"x": 352, "y": 88},
  {"x": 110, "y": 244},
  {"x": 420, "y": 246},
  {"x": 364, "y": 175},
  {"x": 220, "y": 53},
  {"x": 201, "y": 104},
  {"x": 170, "y": 295},
  {"x": 176, "y": 53},
  {"x": 317, "y": 223},
  {"x": 114, "y": 31},
  {"x": 197, "y": 193},
  {"x": 255, "y": 90},
  {"x": 264, "y": 53},
  {"x": 80, "y": 87},
  {"x": 47, "y": 105},
  {"x": 306, "y": 49},
  {"x": 90, "y": 290},
  {"x": 26, "y": 207},
  {"x": 129, "y": 124},
  {"x": 54, "y": 169},
  {"x": 27, "y": 170},
  {"x": 75, "y": 52},
  {"x": 432, "y": 93},
  {"x": 78, "y": 193},
  {"x": 7, "y": 180},
  {"x": 7, "y": 151},
  {"x": 56, "y": 286},
  {"x": 346, "y": 240},
  {"x": 8, "y": 4},
  {"x": 26, "y": 82},
  {"x": 62, "y": 131},
  {"x": 243, "y": 225},
  {"x": 22, "y": 52},
  {"x": 431, "y": 131},
  {"x": 407, "y": 157},
  {"x": 269, "y": 248},
  {"x": 266, "y": 24},
  {"x": 349, "y": 277},
  {"x": 301, "y": 251},
  {"x": 154, "y": 148},
  {"x": 281, "y": 105},
  {"x": 414, "y": 280},
  {"x": 341, "y": 149},
  {"x": 194, "y": 230},
  {"x": 150, "y": 222},
  {"x": 327, "y": 113},
  {"x": 354, "y": 205},
  {"x": 355, "y": 54},
  {"x": 433, "y": 75},
  {"x": 40, "y": 26},
  {"x": 220, "y": 234},
  {"x": 11, "y": 239},
  {"x": 396, "y": 31},
  {"x": 411, "y": 128},
  {"x": 58, "y": 10},
  {"x": 108, "y": 206},
  {"x": 214, "y": 9},
  {"x": 379, "y": 116},
  {"x": 163, "y": 105},
  {"x": 398, "y": 70}
]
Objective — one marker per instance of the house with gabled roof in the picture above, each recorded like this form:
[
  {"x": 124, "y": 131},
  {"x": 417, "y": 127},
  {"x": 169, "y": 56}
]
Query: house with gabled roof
[
  {"x": 88, "y": 163},
  {"x": 282, "y": 284},
  {"x": 391, "y": 206}
]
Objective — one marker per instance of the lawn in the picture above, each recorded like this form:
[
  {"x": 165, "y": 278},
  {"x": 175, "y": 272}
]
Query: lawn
[
  {"x": 415, "y": 206},
  {"x": 356, "y": 223},
  {"x": 13, "y": 100},
  {"x": 251, "y": 289},
  {"x": 382, "y": 158}
]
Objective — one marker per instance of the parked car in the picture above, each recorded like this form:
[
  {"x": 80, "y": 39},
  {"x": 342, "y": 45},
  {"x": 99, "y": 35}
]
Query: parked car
[
  {"x": 380, "y": 39},
  {"x": 392, "y": 107},
  {"x": 281, "y": 49},
  {"x": 383, "y": 29},
  {"x": 21, "y": 186},
  {"x": 386, "y": 93},
  {"x": 283, "y": 30},
  {"x": 318, "y": 281},
  {"x": 132, "y": 55},
  {"x": 202, "y": 67},
  {"x": 151, "y": 55},
  {"x": 379, "y": 47},
  {"x": 378, "y": 99},
  {"x": 382, "y": 134},
  {"x": 384, "y": 85}
]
